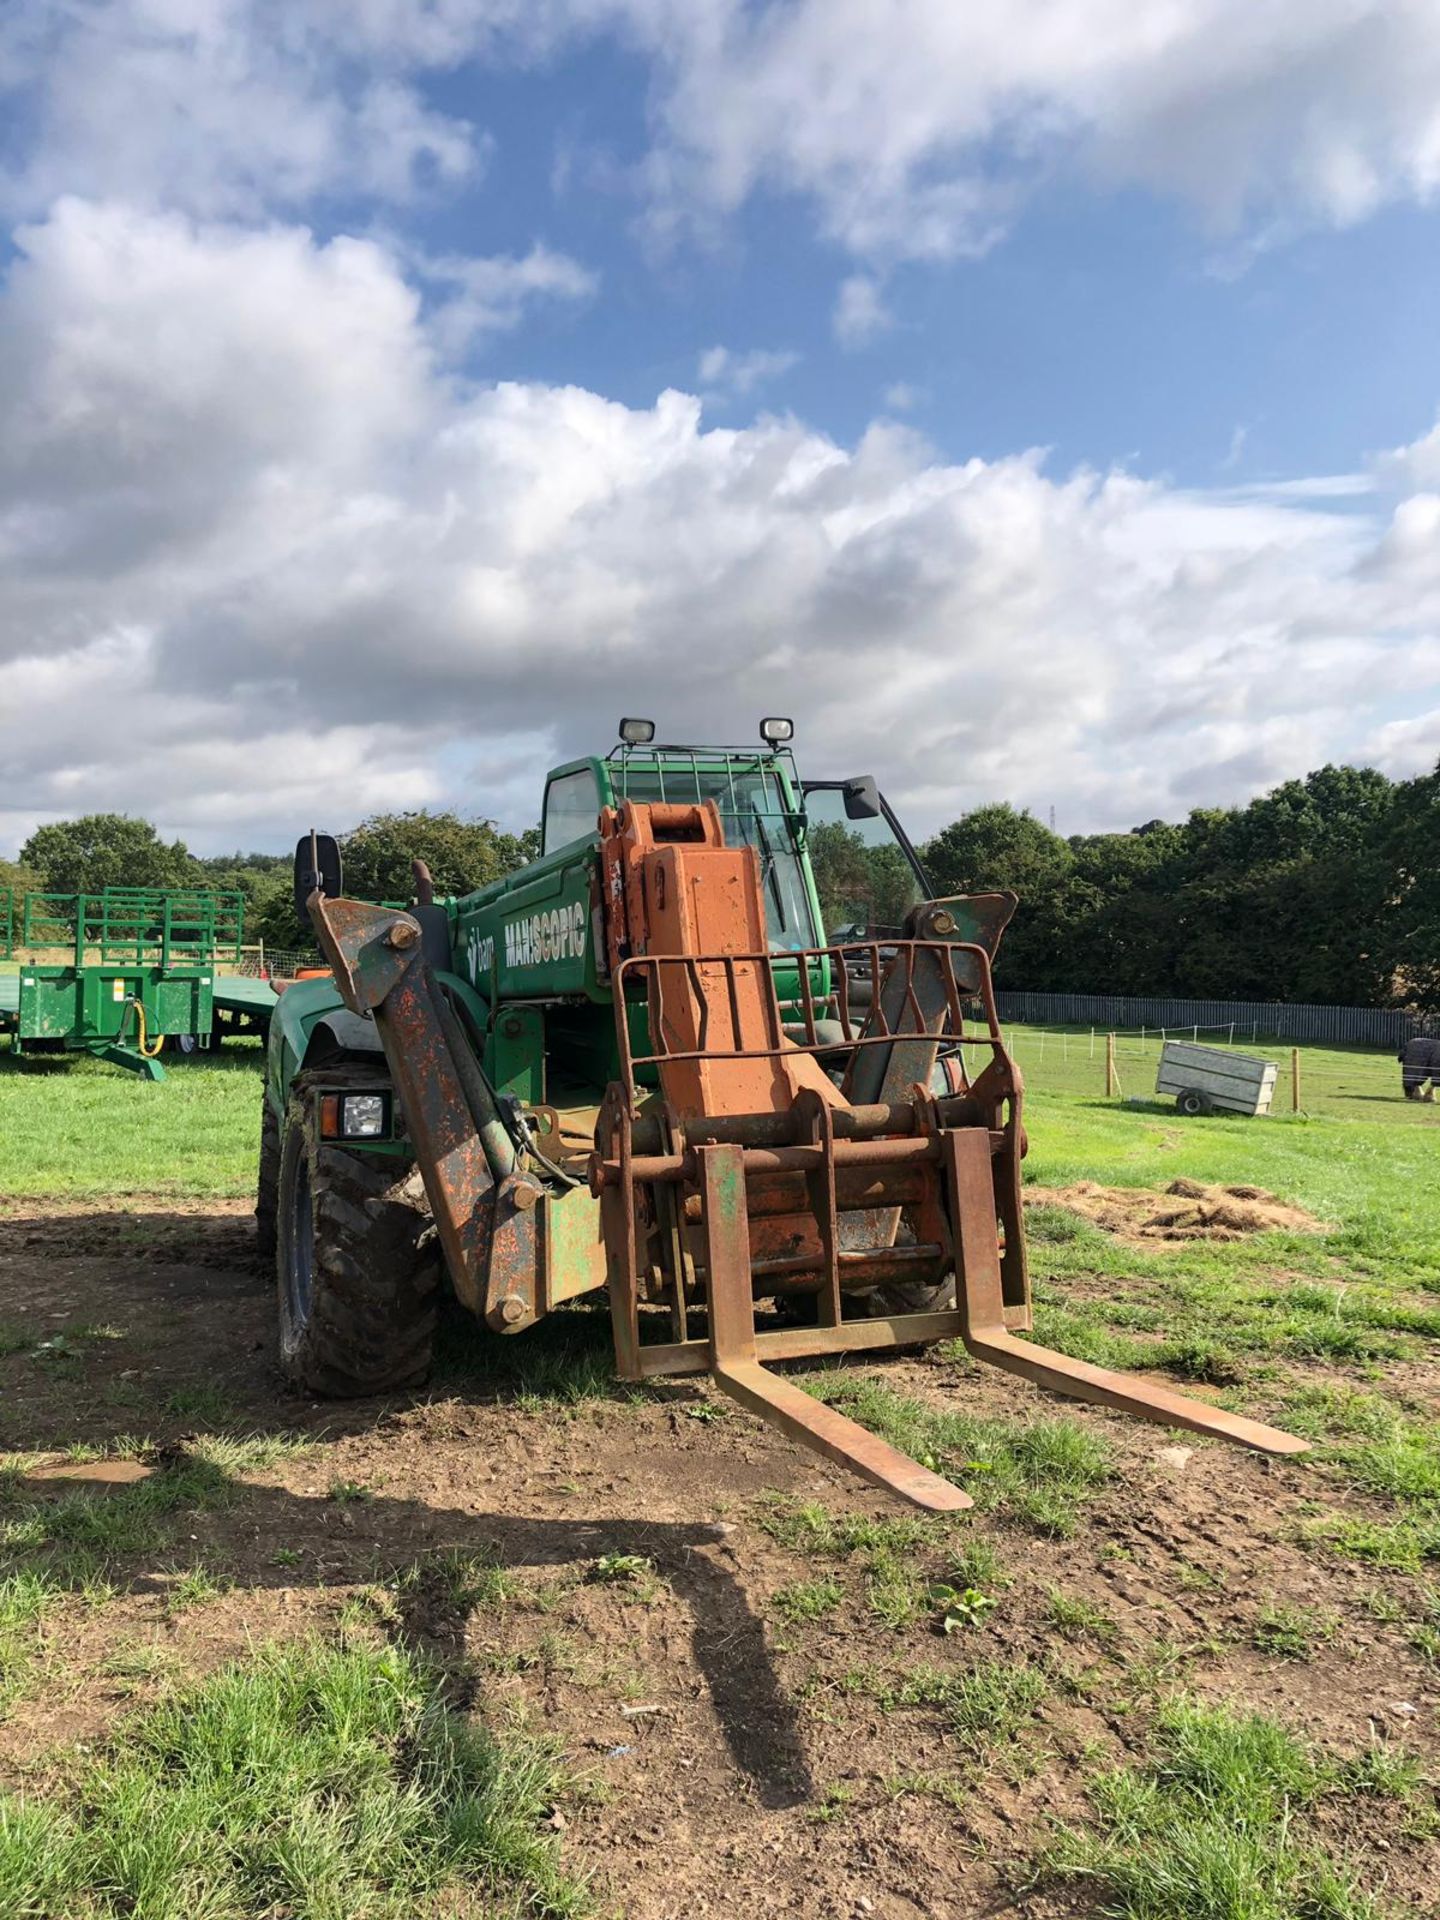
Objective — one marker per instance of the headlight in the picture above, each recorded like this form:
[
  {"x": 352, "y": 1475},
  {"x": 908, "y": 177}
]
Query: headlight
[
  {"x": 362, "y": 1116},
  {"x": 354, "y": 1116}
]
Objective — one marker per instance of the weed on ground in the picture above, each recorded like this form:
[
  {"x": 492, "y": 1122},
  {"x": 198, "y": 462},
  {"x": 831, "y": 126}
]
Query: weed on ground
[
  {"x": 314, "y": 1780},
  {"x": 1039, "y": 1472}
]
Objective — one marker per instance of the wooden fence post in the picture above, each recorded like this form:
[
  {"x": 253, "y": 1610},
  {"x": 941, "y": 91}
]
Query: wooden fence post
[
  {"x": 1294, "y": 1079},
  {"x": 1109, "y": 1066}
]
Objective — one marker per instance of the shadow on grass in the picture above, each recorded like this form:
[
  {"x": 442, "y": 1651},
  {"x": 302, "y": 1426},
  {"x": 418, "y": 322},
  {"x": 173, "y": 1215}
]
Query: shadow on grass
[
  {"x": 44, "y": 1060},
  {"x": 74, "y": 1539}
]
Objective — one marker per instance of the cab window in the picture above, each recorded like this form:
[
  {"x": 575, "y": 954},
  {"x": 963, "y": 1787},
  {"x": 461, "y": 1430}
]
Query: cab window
[
  {"x": 865, "y": 874},
  {"x": 754, "y": 812},
  {"x": 572, "y": 809}
]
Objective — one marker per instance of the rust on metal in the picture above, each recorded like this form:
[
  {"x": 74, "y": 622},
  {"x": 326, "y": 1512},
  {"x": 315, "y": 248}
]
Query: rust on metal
[
  {"x": 513, "y": 1300},
  {"x": 376, "y": 976},
  {"x": 815, "y": 1425},
  {"x": 723, "y": 1009},
  {"x": 727, "y": 1255},
  {"x": 985, "y": 1335},
  {"x": 750, "y": 1173},
  {"x": 744, "y": 1150},
  {"x": 737, "y": 1371}
]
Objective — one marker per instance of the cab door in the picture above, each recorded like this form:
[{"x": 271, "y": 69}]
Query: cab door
[{"x": 867, "y": 875}]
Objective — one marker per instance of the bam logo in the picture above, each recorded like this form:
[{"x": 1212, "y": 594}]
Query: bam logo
[
  {"x": 557, "y": 935},
  {"x": 482, "y": 955}
]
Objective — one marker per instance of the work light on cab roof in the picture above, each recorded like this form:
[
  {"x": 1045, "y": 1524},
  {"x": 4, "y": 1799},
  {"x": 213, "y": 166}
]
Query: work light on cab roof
[{"x": 718, "y": 1051}]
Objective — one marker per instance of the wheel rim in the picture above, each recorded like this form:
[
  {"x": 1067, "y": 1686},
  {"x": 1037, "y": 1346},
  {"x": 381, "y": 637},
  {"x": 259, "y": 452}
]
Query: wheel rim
[{"x": 300, "y": 1266}]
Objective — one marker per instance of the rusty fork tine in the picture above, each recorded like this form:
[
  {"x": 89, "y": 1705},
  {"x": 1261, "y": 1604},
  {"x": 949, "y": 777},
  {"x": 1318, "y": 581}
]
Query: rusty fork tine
[
  {"x": 1126, "y": 1395},
  {"x": 736, "y": 1371},
  {"x": 838, "y": 1438},
  {"x": 977, "y": 1263}
]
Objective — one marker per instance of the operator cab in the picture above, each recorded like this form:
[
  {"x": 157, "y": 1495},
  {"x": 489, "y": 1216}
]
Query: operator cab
[{"x": 863, "y": 876}]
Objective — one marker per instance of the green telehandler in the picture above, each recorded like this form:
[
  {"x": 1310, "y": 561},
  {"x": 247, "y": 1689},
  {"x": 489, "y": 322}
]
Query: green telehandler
[{"x": 717, "y": 1051}]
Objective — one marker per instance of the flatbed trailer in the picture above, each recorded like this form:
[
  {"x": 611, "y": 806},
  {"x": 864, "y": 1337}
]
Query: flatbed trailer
[{"x": 243, "y": 1004}]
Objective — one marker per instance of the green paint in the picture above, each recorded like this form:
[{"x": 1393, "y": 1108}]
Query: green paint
[
  {"x": 515, "y": 1060},
  {"x": 573, "y": 1250},
  {"x": 142, "y": 958}
]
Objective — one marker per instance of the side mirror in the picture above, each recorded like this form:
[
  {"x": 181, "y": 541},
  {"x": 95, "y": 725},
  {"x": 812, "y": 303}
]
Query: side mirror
[
  {"x": 317, "y": 864},
  {"x": 862, "y": 798}
]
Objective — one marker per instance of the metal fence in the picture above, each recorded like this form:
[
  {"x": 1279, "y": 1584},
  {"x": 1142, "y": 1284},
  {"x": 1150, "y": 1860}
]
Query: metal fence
[
  {"x": 1334, "y": 1026},
  {"x": 265, "y": 963},
  {"x": 1107, "y": 1064}
]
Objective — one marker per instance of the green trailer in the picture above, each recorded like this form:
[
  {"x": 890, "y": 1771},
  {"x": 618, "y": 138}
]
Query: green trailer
[
  {"x": 244, "y": 1003},
  {"x": 117, "y": 974}
]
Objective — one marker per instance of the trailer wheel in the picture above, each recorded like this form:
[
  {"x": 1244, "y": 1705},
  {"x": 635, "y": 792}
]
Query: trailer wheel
[
  {"x": 1194, "y": 1101},
  {"x": 267, "y": 1191},
  {"x": 357, "y": 1293}
]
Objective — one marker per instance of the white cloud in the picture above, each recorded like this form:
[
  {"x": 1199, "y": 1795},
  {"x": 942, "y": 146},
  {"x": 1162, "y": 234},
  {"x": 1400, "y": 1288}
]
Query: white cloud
[
  {"x": 1397, "y": 747},
  {"x": 914, "y": 126},
  {"x": 163, "y": 387},
  {"x": 903, "y": 397},
  {"x": 227, "y": 107},
  {"x": 721, "y": 371},
  {"x": 264, "y": 560},
  {"x": 1415, "y": 466},
  {"x": 860, "y": 314},
  {"x": 485, "y": 296}
]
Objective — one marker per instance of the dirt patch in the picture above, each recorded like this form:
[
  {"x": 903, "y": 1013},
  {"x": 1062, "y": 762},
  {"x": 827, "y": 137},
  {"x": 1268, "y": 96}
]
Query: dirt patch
[
  {"x": 731, "y": 1756},
  {"x": 1185, "y": 1211},
  {"x": 218, "y": 1233}
]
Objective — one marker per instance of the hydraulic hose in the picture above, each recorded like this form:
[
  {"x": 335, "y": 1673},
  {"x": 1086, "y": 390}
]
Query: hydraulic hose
[{"x": 142, "y": 1045}]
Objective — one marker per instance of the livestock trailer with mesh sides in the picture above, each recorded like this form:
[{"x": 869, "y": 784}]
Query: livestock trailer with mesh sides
[{"x": 1214, "y": 1080}]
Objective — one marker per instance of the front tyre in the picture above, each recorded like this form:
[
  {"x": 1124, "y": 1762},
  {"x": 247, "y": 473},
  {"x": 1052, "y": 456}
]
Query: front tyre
[{"x": 357, "y": 1293}]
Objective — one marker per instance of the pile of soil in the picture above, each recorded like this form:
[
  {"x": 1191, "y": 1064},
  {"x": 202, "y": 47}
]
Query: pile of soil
[{"x": 1186, "y": 1210}]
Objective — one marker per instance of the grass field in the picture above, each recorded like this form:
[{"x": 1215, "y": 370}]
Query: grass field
[
  {"x": 1159, "y": 1678},
  {"x": 1342, "y": 1083},
  {"x": 77, "y": 1129},
  {"x": 98, "y": 1131}
]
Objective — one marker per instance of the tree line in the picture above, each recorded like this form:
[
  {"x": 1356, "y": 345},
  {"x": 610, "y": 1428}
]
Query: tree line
[{"x": 1325, "y": 890}]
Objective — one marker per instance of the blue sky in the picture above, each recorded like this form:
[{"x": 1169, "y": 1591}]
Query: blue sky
[
  {"x": 1040, "y": 400},
  {"x": 1110, "y": 327}
]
